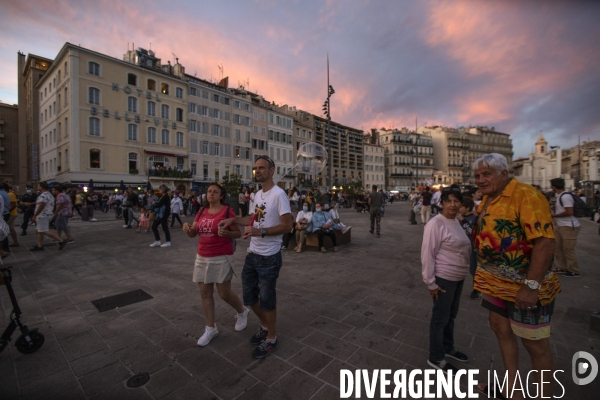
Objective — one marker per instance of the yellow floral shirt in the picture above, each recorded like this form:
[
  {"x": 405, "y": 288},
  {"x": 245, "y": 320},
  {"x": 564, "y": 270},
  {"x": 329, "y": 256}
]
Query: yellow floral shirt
[{"x": 504, "y": 241}]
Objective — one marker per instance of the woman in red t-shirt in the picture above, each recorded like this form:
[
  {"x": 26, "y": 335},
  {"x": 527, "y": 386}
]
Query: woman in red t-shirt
[{"x": 214, "y": 259}]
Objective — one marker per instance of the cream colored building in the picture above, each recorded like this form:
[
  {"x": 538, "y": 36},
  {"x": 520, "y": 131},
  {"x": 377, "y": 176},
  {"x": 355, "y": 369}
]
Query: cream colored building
[
  {"x": 374, "y": 172},
  {"x": 456, "y": 149},
  {"x": 281, "y": 146},
  {"x": 303, "y": 134},
  {"x": 9, "y": 155},
  {"x": 111, "y": 120}
]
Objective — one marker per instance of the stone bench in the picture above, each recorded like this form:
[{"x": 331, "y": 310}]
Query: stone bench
[{"x": 312, "y": 239}]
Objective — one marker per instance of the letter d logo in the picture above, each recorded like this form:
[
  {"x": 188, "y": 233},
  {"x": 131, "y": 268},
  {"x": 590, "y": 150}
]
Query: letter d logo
[{"x": 589, "y": 365}]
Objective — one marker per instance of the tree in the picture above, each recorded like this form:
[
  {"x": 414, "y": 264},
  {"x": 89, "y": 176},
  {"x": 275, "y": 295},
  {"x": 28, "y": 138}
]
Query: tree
[{"x": 232, "y": 183}]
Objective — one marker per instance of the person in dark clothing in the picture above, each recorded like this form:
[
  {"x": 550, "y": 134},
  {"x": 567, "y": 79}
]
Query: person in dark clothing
[
  {"x": 131, "y": 201},
  {"x": 162, "y": 209},
  {"x": 28, "y": 203}
]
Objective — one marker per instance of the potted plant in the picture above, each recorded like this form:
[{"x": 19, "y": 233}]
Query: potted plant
[{"x": 133, "y": 171}]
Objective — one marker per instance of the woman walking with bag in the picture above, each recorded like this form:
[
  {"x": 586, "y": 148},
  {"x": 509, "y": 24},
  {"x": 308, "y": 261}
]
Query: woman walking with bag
[
  {"x": 214, "y": 259},
  {"x": 162, "y": 209}
]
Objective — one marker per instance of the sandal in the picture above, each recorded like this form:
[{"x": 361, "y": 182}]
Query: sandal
[
  {"x": 299, "y": 249},
  {"x": 323, "y": 250},
  {"x": 336, "y": 249},
  {"x": 486, "y": 392}
]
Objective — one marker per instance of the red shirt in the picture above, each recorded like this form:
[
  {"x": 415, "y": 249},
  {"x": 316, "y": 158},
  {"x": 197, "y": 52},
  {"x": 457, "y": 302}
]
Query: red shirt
[{"x": 210, "y": 244}]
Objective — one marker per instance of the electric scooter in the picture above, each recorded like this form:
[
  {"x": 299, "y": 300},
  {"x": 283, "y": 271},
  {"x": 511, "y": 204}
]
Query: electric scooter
[{"x": 30, "y": 340}]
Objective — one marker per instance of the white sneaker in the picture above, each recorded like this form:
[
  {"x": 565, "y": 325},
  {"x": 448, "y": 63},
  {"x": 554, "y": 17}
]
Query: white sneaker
[
  {"x": 125, "y": 226},
  {"x": 155, "y": 244},
  {"x": 167, "y": 244},
  {"x": 209, "y": 334},
  {"x": 93, "y": 220},
  {"x": 242, "y": 320},
  {"x": 346, "y": 229}
]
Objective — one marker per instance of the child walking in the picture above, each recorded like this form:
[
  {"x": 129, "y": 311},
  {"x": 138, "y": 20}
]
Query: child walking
[{"x": 143, "y": 220}]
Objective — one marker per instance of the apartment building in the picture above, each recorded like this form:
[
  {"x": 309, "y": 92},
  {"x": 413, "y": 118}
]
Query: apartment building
[
  {"x": 113, "y": 121},
  {"x": 281, "y": 146},
  {"x": 408, "y": 158},
  {"x": 374, "y": 172},
  {"x": 30, "y": 69},
  {"x": 303, "y": 134},
  {"x": 9, "y": 155}
]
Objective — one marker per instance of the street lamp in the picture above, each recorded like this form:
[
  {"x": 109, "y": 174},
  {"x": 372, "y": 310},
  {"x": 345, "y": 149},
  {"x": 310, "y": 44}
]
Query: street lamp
[{"x": 327, "y": 112}]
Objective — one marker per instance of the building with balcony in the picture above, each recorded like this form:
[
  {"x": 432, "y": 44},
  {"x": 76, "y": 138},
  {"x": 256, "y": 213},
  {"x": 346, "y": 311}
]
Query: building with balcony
[
  {"x": 112, "y": 121},
  {"x": 9, "y": 142},
  {"x": 408, "y": 158},
  {"x": 374, "y": 172},
  {"x": 281, "y": 147},
  {"x": 303, "y": 134}
]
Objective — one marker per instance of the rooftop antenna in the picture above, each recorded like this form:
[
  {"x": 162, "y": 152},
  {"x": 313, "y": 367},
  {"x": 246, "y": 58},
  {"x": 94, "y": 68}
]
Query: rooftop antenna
[
  {"x": 150, "y": 45},
  {"x": 221, "y": 71},
  {"x": 176, "y": 58},
  {"x": 195, "y": 72}
]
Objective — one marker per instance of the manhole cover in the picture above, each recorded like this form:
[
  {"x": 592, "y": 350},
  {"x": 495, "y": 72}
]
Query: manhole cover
[
  {"x": 121, "y": 300},
  {"x": 138, "y": 380}
]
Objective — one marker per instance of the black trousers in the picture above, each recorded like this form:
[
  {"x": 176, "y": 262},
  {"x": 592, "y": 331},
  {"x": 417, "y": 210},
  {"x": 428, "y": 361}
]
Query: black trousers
[
  {"x": 163, "y": 222},
  {"x": 175, "y": 216},
  {"x": 26, "y": 218},
  {"x": 320, "y": 233}
]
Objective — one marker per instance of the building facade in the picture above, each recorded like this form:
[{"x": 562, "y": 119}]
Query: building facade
[
  {"x": 9, "y": 146},
  {"x": 281, "y": 147},
  {"x": 408, "y": 158},
  {"x": 303, "y": 135},
  {"x": 30, "y": 69},
  {"x": 374, "y": 172}
]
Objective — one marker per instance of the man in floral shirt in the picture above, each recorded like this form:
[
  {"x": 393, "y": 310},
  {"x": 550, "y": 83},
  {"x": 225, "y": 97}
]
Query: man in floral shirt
[
  {"x": 64, "y": 211},
  {"x": 515, "y": 244},
  {"x": 43, "y": 214}
]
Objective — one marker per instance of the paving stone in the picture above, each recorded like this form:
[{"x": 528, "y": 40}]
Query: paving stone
[
  {"x": 9, "y": 388},
  {"x": 197, "y": 359},
  {"x": 326, "y": 393},
  {"x": 331, "y": 327},
  {"x": 43, "y": 364},
  {"x": 367, "y": 359},
  {"x": 331, "y": 373},
  {"x": 231, "y": 383},
  {"x": 383, "y": 329},
  {"x": 241, "y": 355},
  {"x": 178, "y": 345},
  {"x": 81, "y": 345},
  {"x": 167, "y": 381},
  {"x": 192, "y": 391},
  {"x": 93, "y": 362},
  {"x": 297, "y": 385},
  {"x": 411, "y": 355},
  {"x": 372, "y": 341},
  {"x": 329, "y": 345},
  {"x": 165, "y": 333},
  {"x": 125, "y": 339},
  {"x": 113, "y": 327},
  {"x": 103, "y": 317},
  {"x": 150, "y": 322},
  {"x": 357, "y": 320},
  {"x": 137, "y": 351},
  {"x": 269, "y": 369},
  {"x": 51, "y": 387},
  {"x": 107, "y": 376},
  {"x": 156, "y": 362},
  {"x": 310, "y": 360},
  {"x": 260, "y": 391}
]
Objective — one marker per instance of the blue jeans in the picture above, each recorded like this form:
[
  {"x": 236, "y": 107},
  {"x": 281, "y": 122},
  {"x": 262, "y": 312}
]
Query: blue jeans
[
  {"x": 445, "y": 309},
  {"x": 259, "y": 277}
]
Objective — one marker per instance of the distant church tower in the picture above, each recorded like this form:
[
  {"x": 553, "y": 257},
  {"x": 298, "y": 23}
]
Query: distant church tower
[{"x": 541, "y": 146}]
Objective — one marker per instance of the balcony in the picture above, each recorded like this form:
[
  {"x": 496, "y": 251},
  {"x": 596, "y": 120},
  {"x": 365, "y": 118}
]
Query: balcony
[{"x": 402, "y": 174}]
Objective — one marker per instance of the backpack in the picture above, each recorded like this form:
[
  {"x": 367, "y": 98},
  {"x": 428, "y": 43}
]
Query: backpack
[
  {"x": 580, "y": 209},
  {"x": 233, "y": 241}
]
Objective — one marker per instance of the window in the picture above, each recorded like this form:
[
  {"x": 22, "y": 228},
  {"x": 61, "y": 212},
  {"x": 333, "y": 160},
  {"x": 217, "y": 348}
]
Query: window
[
  {"x": 152, "y": 108},
  {"x": 193, "y": 167},
  {"x": 205, "y": 170},
  {"x": 94, "y": 96},
  {"x": 151, "y": 84},
  {"x": 164, "y": 111},
  {"x": 59, "y": 130},
  {"x": 132, "y": 132},
  {"x": 94, "y": 126},
  {"x": 94, "y": 68},
  {"x": 204, "y": 149},
  {"x": 164, "y": 88},
  {"x": 66, "y": 158},
  {"x": 165, "y": 137},
  {"x": 179, "y": 114},
  {"x": 132, "y": 79},
  {"x": 133, "y": 162},
  {"x": 216, "y": 130},
  {"x": 179, "y": 92},
  {"x": 217, "y": 148},
  {"x": 94, "y": 158},
  {"x": 238, "y": 134},
  {"x": 179, "y": 139},
  {"x": 66, "y": 127},
  {"x": 66, "y": 98},
  {"x": 204, "y": 94},
  {"x": 215, "y": 98},
  {"x": 194, "y": 91},
  {"x": 66, "y": 70},
  {"x": 247, "y": 136},
  {"x": 151, "y": 135},
  {"x": 132, "y": 104},
  {"x": 59, "y": 76}
]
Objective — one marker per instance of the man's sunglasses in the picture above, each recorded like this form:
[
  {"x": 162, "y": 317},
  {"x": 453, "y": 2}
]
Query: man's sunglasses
[{"x": 267, "y": 158}]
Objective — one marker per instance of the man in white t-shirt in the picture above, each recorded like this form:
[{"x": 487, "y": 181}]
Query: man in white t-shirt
[
  {"x": 265, "y": 226},
  {"x": 566, "y": 229},
  {"x": 436, "y": 205}
]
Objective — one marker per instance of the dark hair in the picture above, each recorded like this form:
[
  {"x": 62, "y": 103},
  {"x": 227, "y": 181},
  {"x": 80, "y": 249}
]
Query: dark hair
[
  {"x": 452, "y": 190},
  {"x": 468, "y": 202},
  {"x": 374, "y": 187},
  {"x": 43, "y": 185},
  {"x": 223, "y": 199},
  {"x": 558, "y": 183},
  {"x": 58, "y": 187}
]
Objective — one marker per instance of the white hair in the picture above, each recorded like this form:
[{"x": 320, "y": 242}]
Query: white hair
[{"x": 493, "y": 160}]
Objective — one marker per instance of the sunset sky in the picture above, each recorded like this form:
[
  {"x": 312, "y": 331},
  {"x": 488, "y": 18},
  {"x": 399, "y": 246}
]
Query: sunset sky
[{"x": 522, "y": 67}]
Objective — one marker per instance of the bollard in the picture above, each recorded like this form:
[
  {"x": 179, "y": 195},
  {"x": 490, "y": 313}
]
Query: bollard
[{"x": 85, "y": 213}]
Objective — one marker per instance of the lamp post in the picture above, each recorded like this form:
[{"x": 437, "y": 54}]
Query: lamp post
[{"x": 327, "y": 112}]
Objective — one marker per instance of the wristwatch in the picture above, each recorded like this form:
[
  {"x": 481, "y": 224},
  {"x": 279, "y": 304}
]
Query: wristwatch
[
  {"x": 263, "y": 232},
  {"x": 531, "y": 284}
]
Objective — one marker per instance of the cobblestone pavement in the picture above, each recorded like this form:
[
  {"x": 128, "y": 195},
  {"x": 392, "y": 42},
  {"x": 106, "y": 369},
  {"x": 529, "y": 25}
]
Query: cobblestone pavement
[{"x": 364, "y": 307}]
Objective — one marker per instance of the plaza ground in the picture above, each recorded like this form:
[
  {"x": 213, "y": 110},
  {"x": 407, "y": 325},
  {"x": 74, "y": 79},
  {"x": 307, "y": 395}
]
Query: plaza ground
[{"x": 365, "y": 307}]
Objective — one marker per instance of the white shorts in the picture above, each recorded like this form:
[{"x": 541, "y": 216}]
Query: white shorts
[
  {"x": 213, "y": 269},
  {"x": 42, "y": 224}
]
